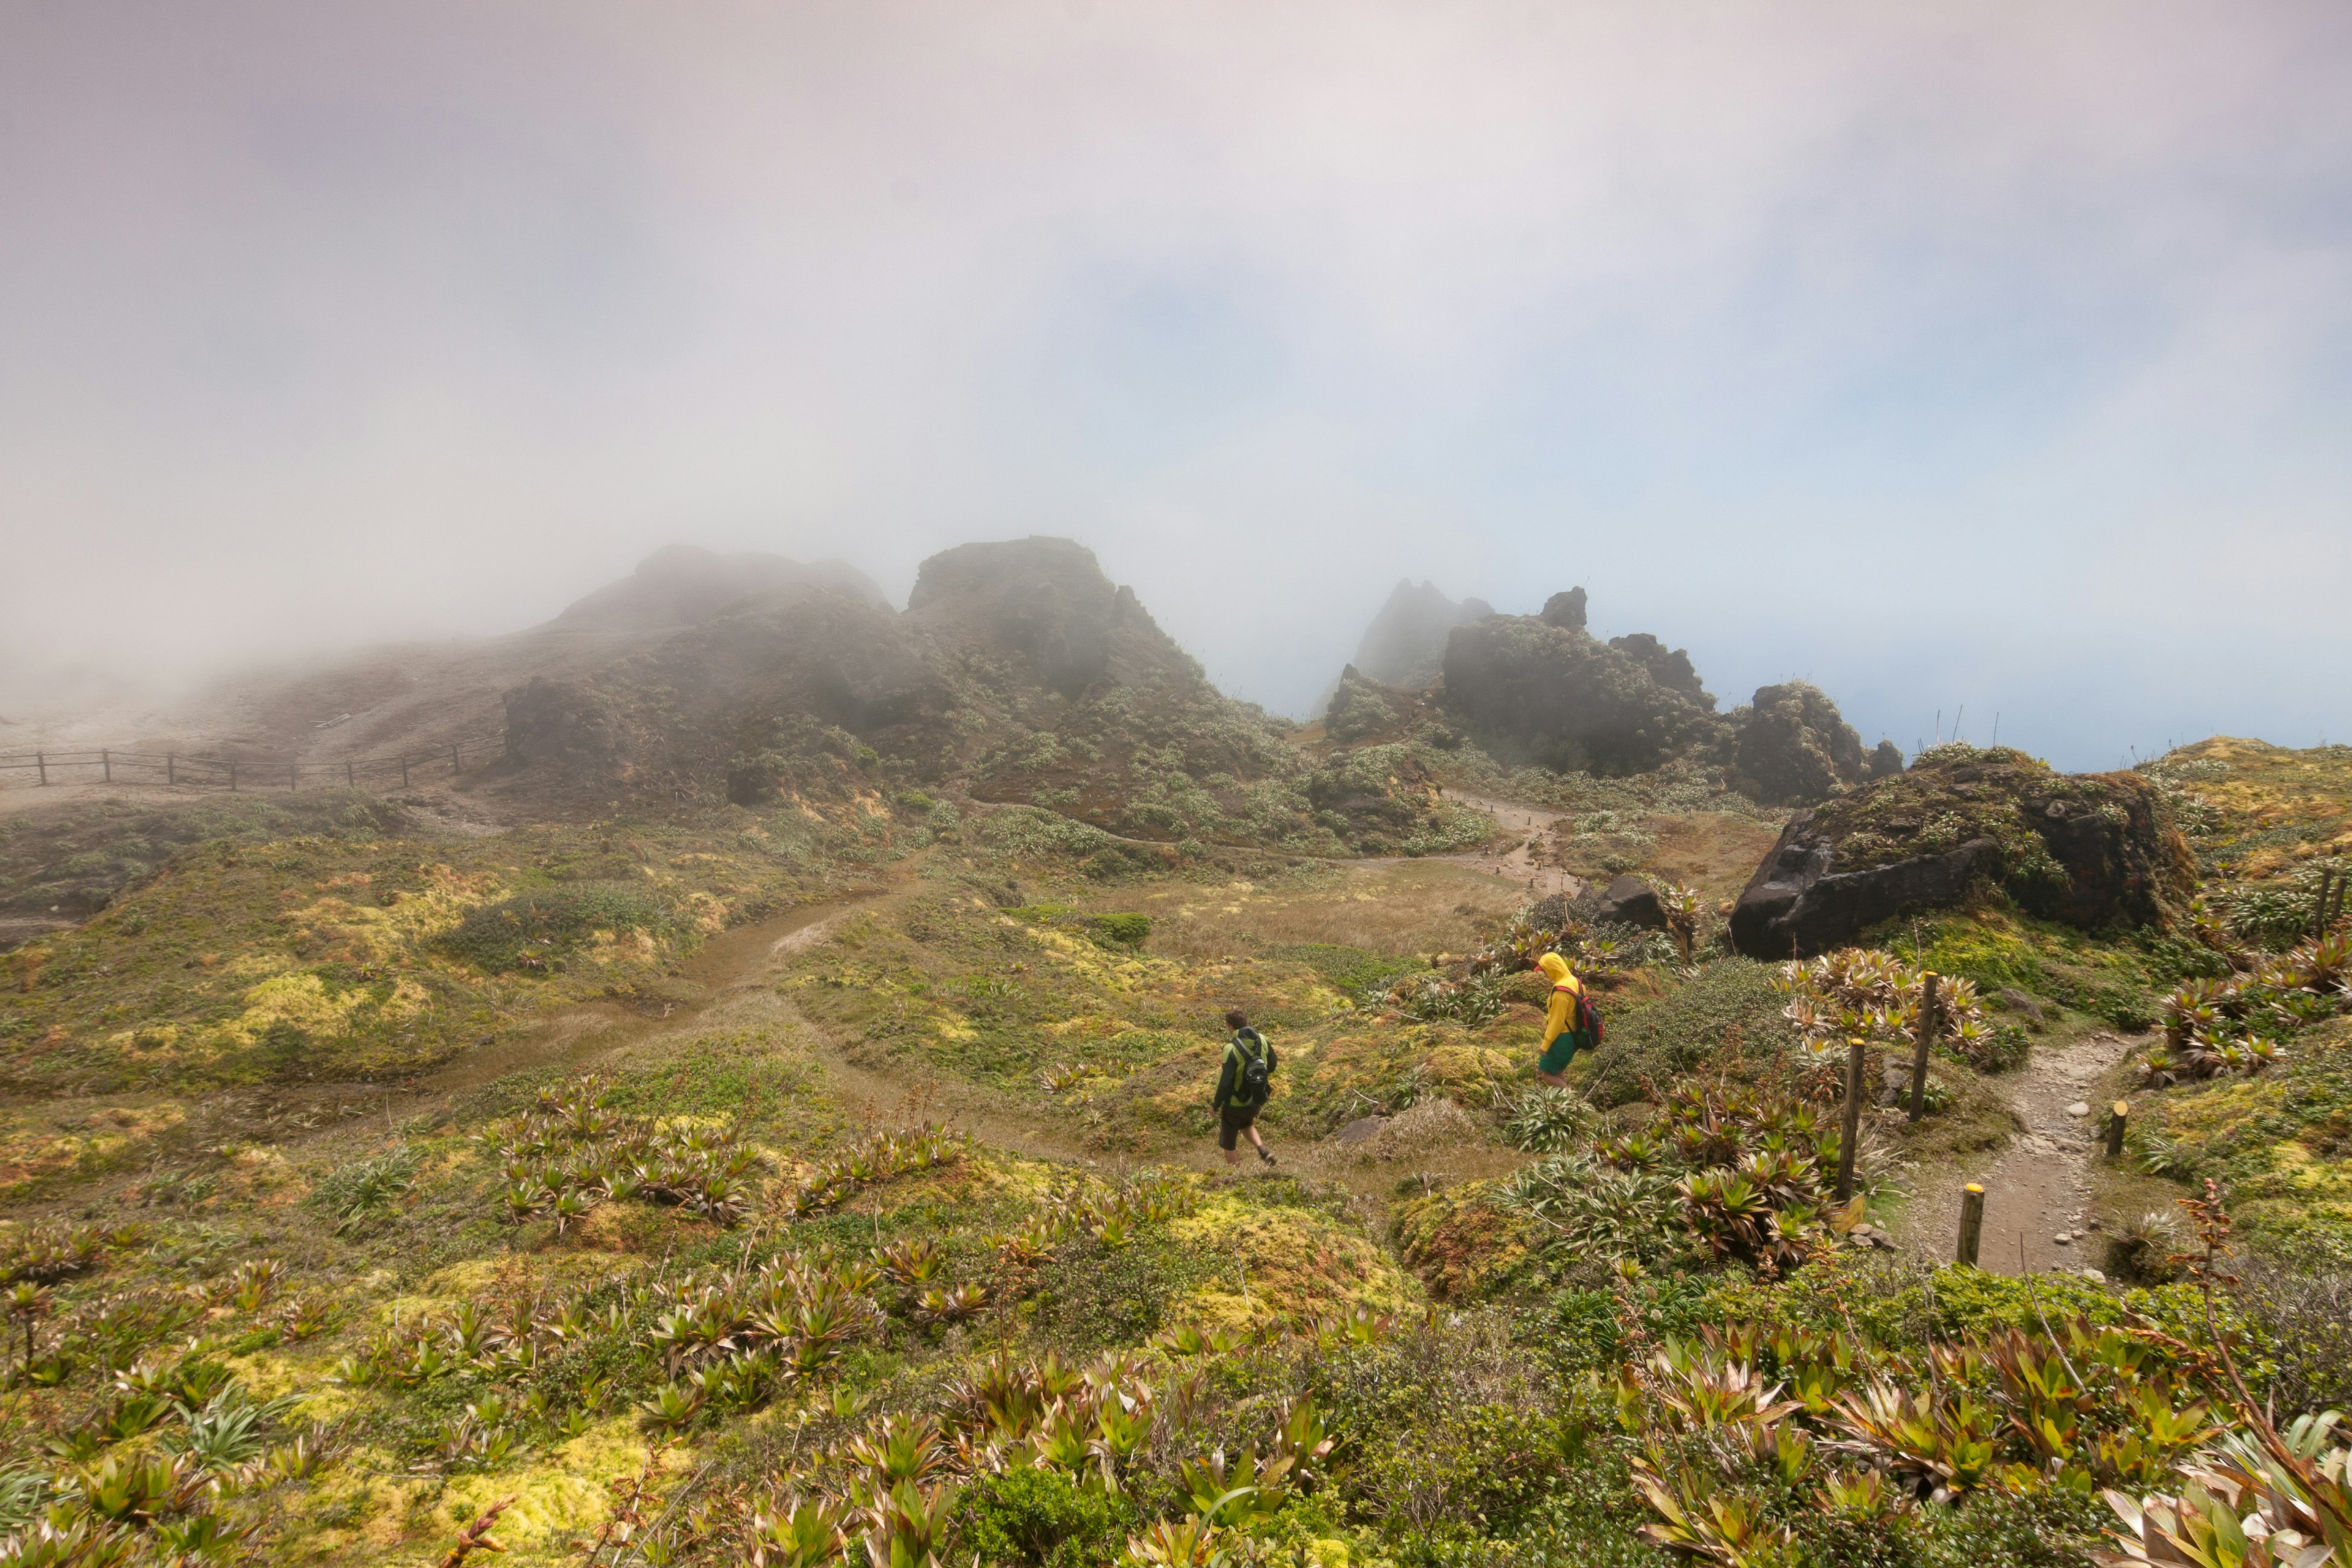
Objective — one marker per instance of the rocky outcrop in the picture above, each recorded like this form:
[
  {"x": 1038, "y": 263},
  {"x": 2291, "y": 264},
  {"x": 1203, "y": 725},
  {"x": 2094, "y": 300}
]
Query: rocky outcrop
[
  {"x": 1564, "y": 610},
  {"x": 1886, "y": 760},
  {"x": 1405, "y": 645},
  {"x": 1543, "y": 691},
  {"x": 682, "y": 584},
  {"x": 1018, "y": 671},
  {"x": 1044, "y": 605},
  {"x": 1794, "y": 748},
  {"x": 1669, "y": 667},
  {"x": 2091, "y": 850}
]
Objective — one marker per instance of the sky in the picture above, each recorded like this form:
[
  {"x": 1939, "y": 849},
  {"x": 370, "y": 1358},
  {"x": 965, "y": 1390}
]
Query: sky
[{"x": 1993, "y": 357}]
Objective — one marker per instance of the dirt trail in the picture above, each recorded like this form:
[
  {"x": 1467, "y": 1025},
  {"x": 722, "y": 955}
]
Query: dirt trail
[
  {"x": 1530, "y": 823},
  {"x": 2038, "y": 1188},
  {"x": 739, "y": 968}
]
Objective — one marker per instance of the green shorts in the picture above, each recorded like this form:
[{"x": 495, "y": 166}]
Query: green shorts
[{"x": 1560, "y": 1052}]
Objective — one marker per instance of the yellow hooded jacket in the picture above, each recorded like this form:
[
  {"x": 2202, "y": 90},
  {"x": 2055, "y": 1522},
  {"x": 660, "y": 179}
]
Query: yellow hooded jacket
[{"x": 1565, "y": 989}]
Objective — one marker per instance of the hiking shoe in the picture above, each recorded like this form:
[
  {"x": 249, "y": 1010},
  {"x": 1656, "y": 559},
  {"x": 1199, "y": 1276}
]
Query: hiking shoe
[{"x": 1266, "y": 1155}]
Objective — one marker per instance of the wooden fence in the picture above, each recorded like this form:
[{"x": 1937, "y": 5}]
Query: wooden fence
[{"x": 106, "y": 765}]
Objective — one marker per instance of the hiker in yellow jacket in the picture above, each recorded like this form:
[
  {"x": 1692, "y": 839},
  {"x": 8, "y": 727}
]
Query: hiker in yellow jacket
[{"x": 1562, "y": 1039}]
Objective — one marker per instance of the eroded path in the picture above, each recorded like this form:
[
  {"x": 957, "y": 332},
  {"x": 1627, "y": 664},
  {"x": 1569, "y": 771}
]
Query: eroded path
[
  {"x": 1518, "y": 861},
  {"x": 2038, "y": 1188}
]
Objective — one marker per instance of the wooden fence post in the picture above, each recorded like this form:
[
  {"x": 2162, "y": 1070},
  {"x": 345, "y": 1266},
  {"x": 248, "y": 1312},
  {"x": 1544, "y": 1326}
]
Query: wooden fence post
[
  {"x": 403, "y": 770},
  {"x": 106, "y": 761},
  {"x": 2319, "y": 915},
  {"x": 41, "y": 761},
  {"x": 293, "y": 777},
  {"x": 1919, "y": 1055},
  {"x": 2115, "y": 1129},
  {"x": 1971, "y": 1221},
  {"x": 232, "y": 778},
  {"x": 171, "y": 769},
  {"x": 1852, "y": 1131},
  {"x": 453, "y": 760}
]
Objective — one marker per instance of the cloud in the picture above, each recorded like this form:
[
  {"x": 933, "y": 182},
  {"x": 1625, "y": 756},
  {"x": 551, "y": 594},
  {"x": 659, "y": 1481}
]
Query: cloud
[{"x": 2002, "y": 347}]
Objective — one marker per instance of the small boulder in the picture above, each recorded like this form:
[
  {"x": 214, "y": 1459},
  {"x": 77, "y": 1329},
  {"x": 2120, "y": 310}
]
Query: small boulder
[
  {"x": 1363, "y": 1130},
  {"x": 2016, "y": 1001},
  {"x": 1631, "y": 901},
  {"x": 2079, "y": 1108}
]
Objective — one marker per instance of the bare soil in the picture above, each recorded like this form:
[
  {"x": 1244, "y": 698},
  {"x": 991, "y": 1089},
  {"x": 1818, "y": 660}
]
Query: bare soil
[{"x": 1520, "y": 859}]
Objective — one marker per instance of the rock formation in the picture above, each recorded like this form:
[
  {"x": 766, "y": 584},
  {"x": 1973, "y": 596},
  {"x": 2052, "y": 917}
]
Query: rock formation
[
  {"x": 1542, "y": 690},
  {"x": 2093, "y": 850},
  {"x": 1794, "y": 747},
  {"x": 1405, "y": 645}
]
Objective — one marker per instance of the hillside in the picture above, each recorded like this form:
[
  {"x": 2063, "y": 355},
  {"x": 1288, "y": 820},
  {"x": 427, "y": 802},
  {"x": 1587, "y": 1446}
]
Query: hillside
[{"x": 774, "y": 1127}]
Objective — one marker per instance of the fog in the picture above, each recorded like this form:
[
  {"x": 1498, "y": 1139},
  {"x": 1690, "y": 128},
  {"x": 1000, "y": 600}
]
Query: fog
[{"x": 1943, "y": 354}]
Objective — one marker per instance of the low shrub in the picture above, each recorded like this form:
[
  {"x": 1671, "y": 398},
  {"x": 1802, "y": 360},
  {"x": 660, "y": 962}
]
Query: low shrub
[
  {"x": 1129, "y": 930},
  {"x": 1038, "y": 1519},
  {"x": 526, "y": 930}
]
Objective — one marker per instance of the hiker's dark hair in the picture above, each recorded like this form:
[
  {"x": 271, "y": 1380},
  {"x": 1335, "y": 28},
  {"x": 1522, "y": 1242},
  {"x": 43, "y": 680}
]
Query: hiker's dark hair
[{"x": 1237, "y": 1019}]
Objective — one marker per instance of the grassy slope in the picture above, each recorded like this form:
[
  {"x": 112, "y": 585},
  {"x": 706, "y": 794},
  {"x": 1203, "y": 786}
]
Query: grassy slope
[{"x": 1475, "y": 1437}]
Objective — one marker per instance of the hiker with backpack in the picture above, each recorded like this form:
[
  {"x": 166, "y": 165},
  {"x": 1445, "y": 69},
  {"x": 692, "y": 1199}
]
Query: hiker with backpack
[
  {"x": 1244, "y": 1086},
  {"x": 1572, "y": 1022}
]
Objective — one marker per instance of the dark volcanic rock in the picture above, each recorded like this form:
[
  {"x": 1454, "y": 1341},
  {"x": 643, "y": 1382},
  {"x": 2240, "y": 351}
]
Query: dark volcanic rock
[
  {"x": 1530, "y": 691},
  {"x": 1794, "y": 747},
  {"x": 2089, "y": 850},
  {"x": 1631, "y": 901},
  {"x": 1405, "y": 645},
  {"x": 1886, "y": 760},
  {"x": 1795, "y": 906}
]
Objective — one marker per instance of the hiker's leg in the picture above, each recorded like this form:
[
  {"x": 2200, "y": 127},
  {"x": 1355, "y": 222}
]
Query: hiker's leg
[
  {"x": 1558, "y": 1080},
  {"x": 1233, "y": 1156},
  {"x": 1250, "y": 1132}
]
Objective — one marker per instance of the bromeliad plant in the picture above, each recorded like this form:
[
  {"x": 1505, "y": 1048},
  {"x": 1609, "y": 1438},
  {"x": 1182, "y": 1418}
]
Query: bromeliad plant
[
  {"x": 1863, "y": 994},
  {"x": 1740, "y": 1174},
  {"x": 574, "y": 1152},
  {"x": 2234, "y": 1023}
]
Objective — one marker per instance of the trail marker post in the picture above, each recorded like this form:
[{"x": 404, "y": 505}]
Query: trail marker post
[
  {"x": 1971, "y": 1221},
  {"x": 453, "y": 767},
  {"x": 1850, "y": 1132},
  {"x": 1919, "y": 1053},
  {"x": 171, "y": 769},
  {"x": 106, "y": 762},
  {"x": 403, "y": 770},
  {"x": 41, "y": 761},
  {"x": 2116, "y": 1120}
]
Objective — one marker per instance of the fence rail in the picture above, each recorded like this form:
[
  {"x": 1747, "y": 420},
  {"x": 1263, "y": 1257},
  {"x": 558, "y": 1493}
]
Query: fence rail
[{"x": 200, "y": 772}]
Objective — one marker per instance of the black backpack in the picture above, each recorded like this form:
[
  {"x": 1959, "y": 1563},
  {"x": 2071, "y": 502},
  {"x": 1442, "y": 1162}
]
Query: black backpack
[{"x": 1254, "y": 1069}]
